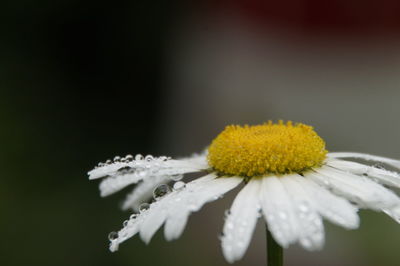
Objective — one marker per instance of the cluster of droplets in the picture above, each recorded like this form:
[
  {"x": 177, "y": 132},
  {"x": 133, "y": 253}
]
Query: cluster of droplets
[
  {"x": 129, "y": 158},
  {"x": 159, "y": 192}
]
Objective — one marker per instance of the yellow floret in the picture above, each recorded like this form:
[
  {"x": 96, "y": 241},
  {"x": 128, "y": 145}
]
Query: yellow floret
[{"x": 266, "y": 149}]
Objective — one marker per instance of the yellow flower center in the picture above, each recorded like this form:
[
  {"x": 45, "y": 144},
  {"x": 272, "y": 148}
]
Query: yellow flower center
[{"x": 266, "y": 149}]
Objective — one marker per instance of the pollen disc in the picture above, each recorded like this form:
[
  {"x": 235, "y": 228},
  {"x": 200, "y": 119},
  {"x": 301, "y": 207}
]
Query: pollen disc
[{"x": 266, "y": 149}]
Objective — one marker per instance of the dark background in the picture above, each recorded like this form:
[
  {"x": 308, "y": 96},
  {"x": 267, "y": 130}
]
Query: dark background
[{"x": 85, "y": 81}]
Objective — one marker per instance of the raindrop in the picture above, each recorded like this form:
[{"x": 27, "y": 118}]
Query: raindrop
[
  {"x": 125, "y": 223},
  {"x": 164, "y": 158},
  {"x": 179, "y": 185},
  {"x": 149, "y": 158},
  {"x": 123, "y": 160},
  {"x": 303, "y": 207},
  {"x": 112, "y": 236},
  {"x": 142, "y": 173},
  {"x": 129, "y": 157},
  {"x": 230, "y": 225},
  {"x": 133, "y": 216},
  {"x": 379, "y": 166},
  {"x": 100, "y": 164},
  {"x": 240, "y": 244},
  {"x": 161, "y": 191},
  {"x": 108, "y": 161},
  {"x": 139, "y": 157},
  {"x": 124, "y": 169},
  {"x": 306, "y": 242},
  {"x": 282, "y": 215},
  {"x": 144, "y": 207},
  {"x": 176, "y": 177},
  {"x": 117, "y": 158}
]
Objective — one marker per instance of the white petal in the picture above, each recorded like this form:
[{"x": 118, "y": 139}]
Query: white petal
[
  {"x": 240, "y": 223},
  {"x": 394, "y": 213},
  {"x": 157, "y": 213},
  {"x": 143, "y": 192},
  {"x": 129, "y": 230},
  {"x": 150, "y": 165},
  {"x": 200, "y": 160},
  {"x": 334, "y": 208},
  {"x": 278, "y": 211},
  {"x": 113, "y": 184},
  {"x": 145, "y": 169},
  {"x": 311, "y": 228},
  {"x": 368, "y": 157},
  {"x": 192, "y": 199},
  {"x": 380, "y": 175},
  {"x": 359, "y": 189},
  {"x": 175, "y": 207},
  {"x": 175, "y": 224}
]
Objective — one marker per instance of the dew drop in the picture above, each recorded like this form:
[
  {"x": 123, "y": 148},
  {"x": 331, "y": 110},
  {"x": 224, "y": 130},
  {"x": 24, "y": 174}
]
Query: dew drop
[
  {"x": 133, "y": 216},
  {"x": 100, "y": 164},
  {"x": 144, "y": 207},
  {"x": 112, "y": 236},
  {"x": 108, "y": 161},
  {"x": 149, "y": 158},
  {"x": 161, "y": 191},
  {"x": 303, "y": 207},
  {"x": 117, "y": 158},
  {"x": 124, "y": 169},
  {"x": 379, "y": 166},
  {"x": 138, "y": 157},
  {"x": 282, "y": 215},
  {"x": 230, "y": 225},
  {"x": 176, "y": 177},
  {"x": 129, "y": 157},
  {"x": 142, "y": 173},
  {"x": 163, "y": 158},
  {"x": 125, "y": 223},
  {"x": 179, "y": 185}
]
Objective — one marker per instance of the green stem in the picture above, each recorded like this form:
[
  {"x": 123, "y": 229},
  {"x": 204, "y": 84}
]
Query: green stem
[{"x": 274, "y": 251}]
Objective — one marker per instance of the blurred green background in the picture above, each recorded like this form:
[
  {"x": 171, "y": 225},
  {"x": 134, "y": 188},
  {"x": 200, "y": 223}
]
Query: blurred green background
[{"x": 85, "y": 81}]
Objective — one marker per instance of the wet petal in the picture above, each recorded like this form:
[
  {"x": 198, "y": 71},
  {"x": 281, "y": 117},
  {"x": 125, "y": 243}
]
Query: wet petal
[
  {"x": 334, "y": 208},
  {"x": 240, "y": 223},
  {"x": 311, "y": 235},
  {"x": 278, "y": 211}
]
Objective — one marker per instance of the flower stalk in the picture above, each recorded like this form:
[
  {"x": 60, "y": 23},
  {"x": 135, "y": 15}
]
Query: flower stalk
[{"x": 274, "y": 251}]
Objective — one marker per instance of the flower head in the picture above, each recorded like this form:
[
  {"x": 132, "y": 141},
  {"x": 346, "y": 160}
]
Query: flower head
[{"x": 288, "y": 176}]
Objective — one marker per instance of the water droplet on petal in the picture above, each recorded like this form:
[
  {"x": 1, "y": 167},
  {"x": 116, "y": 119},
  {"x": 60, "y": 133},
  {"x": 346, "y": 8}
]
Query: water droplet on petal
[
  {"x": 303, "y": 207},
  {"x": 112, "y": 236},
  {"x": 179, "y": 185},
  {"x": 138, "y": 157},
  {"x": 176, "y": 177},
  {"x": 282, "y": 215},
  {"x": 163, "y": 158},
  {"x": 144, "y": 207},
  {"x": 379, "y": 166},
  {"x": 117, "y": 158},
  {"x": 108, "y": 161},
  {"x": 129, "y": 157},
  {"x": 125, "y": 223},
  {"x": 161, "y": 191},
  {"x": 230, "y": 225},
  {"x": 149, "y": 158},
  {"x": 133, "y": 216}
]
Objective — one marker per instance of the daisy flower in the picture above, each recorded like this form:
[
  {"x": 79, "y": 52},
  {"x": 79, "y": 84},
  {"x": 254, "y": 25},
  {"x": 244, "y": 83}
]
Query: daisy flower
[{"x": 288, "y": 179}]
